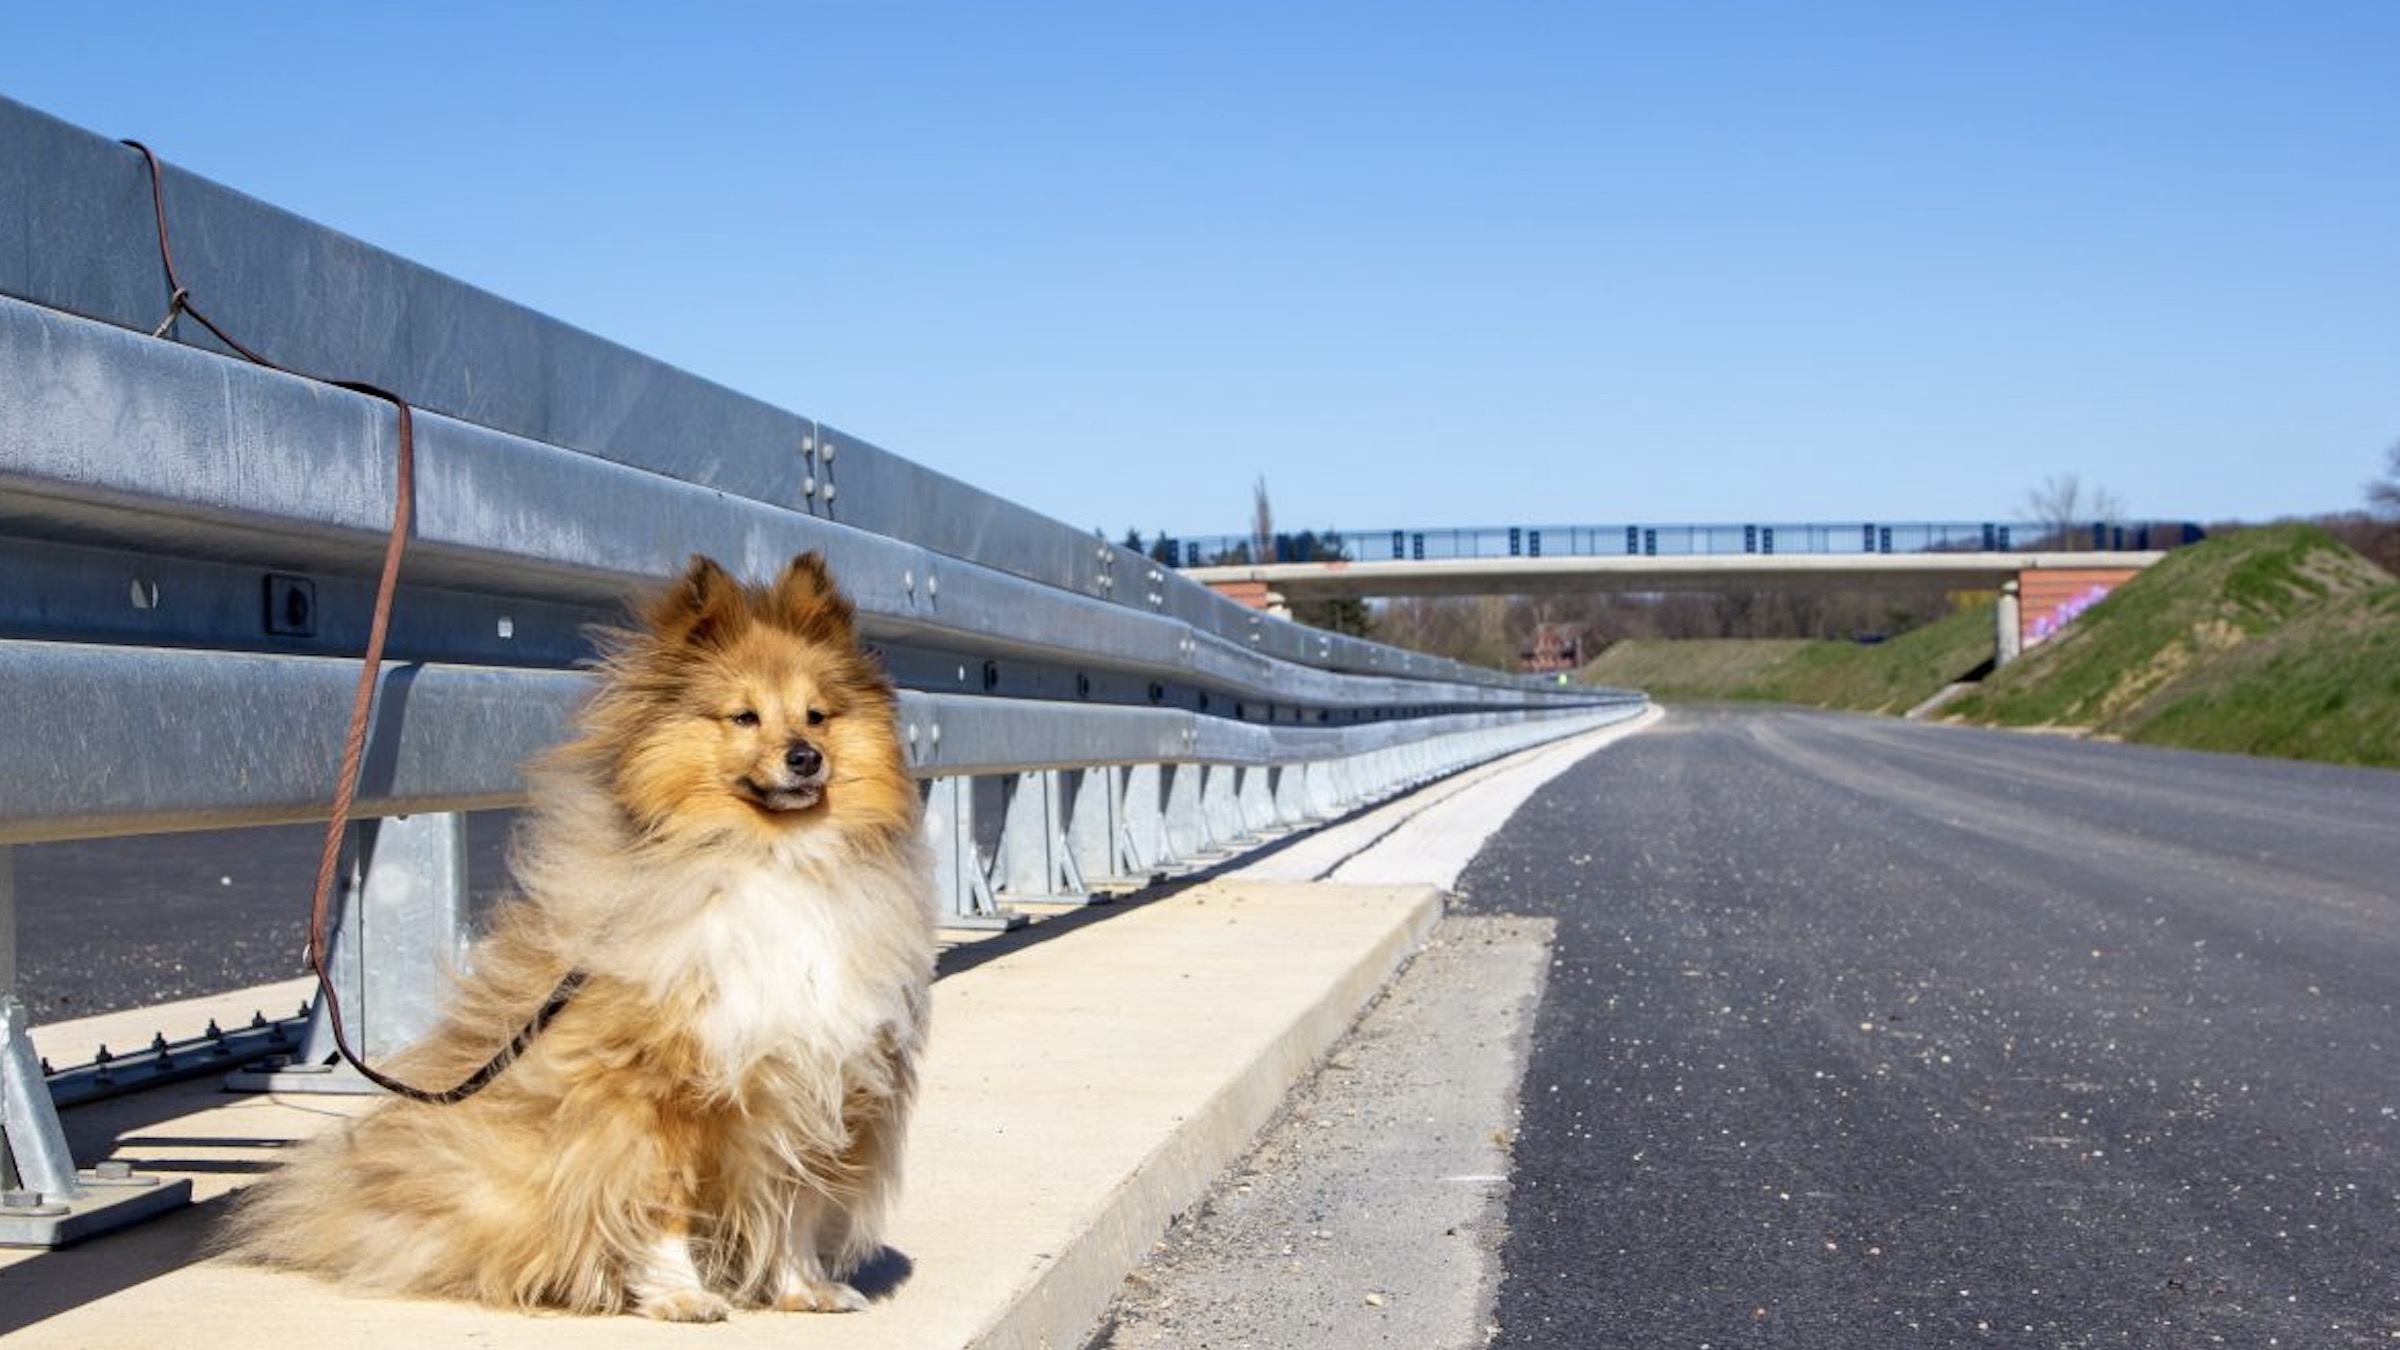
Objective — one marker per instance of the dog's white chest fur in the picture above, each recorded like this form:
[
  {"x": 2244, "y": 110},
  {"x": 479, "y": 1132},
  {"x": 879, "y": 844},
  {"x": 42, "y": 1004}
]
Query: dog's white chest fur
[{"x": 780, "y": 966}]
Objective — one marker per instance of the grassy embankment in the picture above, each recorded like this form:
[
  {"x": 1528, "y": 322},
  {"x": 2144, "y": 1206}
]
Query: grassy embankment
[
  {"x": 1891, "y": 676},
  {"x": 2272, "y": 641}
]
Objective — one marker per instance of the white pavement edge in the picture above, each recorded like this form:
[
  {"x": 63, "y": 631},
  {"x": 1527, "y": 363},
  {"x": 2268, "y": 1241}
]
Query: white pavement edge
[{"x": 1429, "y": 837}]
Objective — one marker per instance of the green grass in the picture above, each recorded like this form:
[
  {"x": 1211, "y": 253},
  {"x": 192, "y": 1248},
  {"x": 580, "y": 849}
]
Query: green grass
[
  {"x": 2274, "y": 641},
  {"x": 2328, "y": 689},
  {"x": 1887, "y": 677},
  {"x": 1891, "y": 676},
  {"x": 1682, "y": 672},
  {"x": 2271, "y": 641}
]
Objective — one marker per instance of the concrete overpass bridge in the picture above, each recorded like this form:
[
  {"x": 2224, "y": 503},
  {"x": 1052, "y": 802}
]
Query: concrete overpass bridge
[{"x": 2043, "y": 575}]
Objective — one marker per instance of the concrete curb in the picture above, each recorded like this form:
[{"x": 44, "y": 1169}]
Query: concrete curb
[{"x": 1068, "y": 1296}]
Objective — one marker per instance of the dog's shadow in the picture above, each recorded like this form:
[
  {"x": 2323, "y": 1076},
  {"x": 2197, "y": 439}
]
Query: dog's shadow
[{"x": 883, "y": 1274}]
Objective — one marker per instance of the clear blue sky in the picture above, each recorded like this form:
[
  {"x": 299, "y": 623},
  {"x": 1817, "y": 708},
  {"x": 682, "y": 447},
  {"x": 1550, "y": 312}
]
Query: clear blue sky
[{"x": 1468, "y": 263}]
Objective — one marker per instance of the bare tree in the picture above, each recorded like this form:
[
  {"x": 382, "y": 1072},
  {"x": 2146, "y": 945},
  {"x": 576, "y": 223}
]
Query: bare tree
[
  {"x": 2383, "y": 494},
  {"x": 2062, "y": 504}
]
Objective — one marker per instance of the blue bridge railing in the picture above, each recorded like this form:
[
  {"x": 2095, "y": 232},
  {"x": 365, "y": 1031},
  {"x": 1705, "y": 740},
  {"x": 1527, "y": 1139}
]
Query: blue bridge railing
[{"x": 1587, "y": 541}]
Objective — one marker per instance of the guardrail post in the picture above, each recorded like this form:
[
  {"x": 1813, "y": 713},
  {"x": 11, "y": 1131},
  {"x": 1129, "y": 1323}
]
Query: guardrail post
[
  {"x": 1187, "y": 817},
  {"x": 400, "y": 922},
  {"x": 1328, "y": 788},
  {"x": 1256, "y": 798},
  {"x": 1029, "y": 804},
  {"x": 1364, "y": 777},
  {"x": 1097, "y": 837},
  {"x": 1146, "y": 841},
  {"x": 1291, "y": 795},
  {"x": 959, "y": 877},
  {"x": 1035, "y": 861},
  {"x": 412, "y": 912},
  {"x": 1220, "y": 806}
]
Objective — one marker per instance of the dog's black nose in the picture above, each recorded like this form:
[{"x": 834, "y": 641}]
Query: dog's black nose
[{"x": 803, "y": 760}]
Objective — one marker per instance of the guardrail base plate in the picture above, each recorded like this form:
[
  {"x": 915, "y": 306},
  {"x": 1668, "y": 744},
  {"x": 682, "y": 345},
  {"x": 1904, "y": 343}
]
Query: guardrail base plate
[
  {"x": 1002, "y": 921},
  {"x": 103, "y": 1207},
  {"x": 276, "y": 1074}
]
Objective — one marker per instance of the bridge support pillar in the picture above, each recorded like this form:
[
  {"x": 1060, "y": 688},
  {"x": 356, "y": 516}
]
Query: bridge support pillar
[{"x": 2008, "y": 640}]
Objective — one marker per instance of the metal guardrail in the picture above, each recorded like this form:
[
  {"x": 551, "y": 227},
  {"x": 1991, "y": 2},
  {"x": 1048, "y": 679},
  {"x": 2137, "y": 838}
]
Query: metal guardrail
[
  {"x": 188, "y": 545},
  {"x": 1676, "y": 541}
]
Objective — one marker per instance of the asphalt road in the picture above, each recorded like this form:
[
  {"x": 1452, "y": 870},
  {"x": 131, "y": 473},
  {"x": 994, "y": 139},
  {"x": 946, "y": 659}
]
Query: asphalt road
[
  {"x": 1861, "y": 1033},
  {"x": 104, "y": 924}
]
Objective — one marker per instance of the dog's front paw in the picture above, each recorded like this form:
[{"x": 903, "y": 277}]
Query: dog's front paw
[
  {"x": 684, "y": 1305},
  {"x": 827, "y": 1296}
]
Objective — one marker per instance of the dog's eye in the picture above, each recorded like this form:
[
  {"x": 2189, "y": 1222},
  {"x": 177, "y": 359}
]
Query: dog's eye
[
  {"x": 816, "y": 717},
  {"x": 744, "y": 718}
]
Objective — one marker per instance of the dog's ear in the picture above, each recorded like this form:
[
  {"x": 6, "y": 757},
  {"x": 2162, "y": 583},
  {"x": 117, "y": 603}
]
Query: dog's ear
[
  {"x": 809, "y": 601},
  {"x": 700, "y": 605}
]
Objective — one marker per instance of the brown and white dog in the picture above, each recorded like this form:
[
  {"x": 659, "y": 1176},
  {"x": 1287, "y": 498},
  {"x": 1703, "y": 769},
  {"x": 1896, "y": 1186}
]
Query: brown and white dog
[{"x": 730, "y": 852}]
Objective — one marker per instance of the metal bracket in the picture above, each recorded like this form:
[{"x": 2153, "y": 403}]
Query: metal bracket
[
  {"x": 402, "y": 916},
  {"x": 44, "y": 1200},
  {"x": 1037, "y": 861},
  {"x": 966, "y": 888}
]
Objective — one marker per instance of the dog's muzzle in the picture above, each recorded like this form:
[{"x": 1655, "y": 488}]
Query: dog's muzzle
[{"x": 799, "y": 785}]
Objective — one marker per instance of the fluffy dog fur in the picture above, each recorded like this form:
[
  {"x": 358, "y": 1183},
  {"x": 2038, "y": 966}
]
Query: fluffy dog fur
[{"x": 731, "y": 852}]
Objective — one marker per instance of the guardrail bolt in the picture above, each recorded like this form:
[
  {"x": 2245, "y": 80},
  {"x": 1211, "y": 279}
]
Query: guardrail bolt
[{"x": 29, "y": 1202}]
